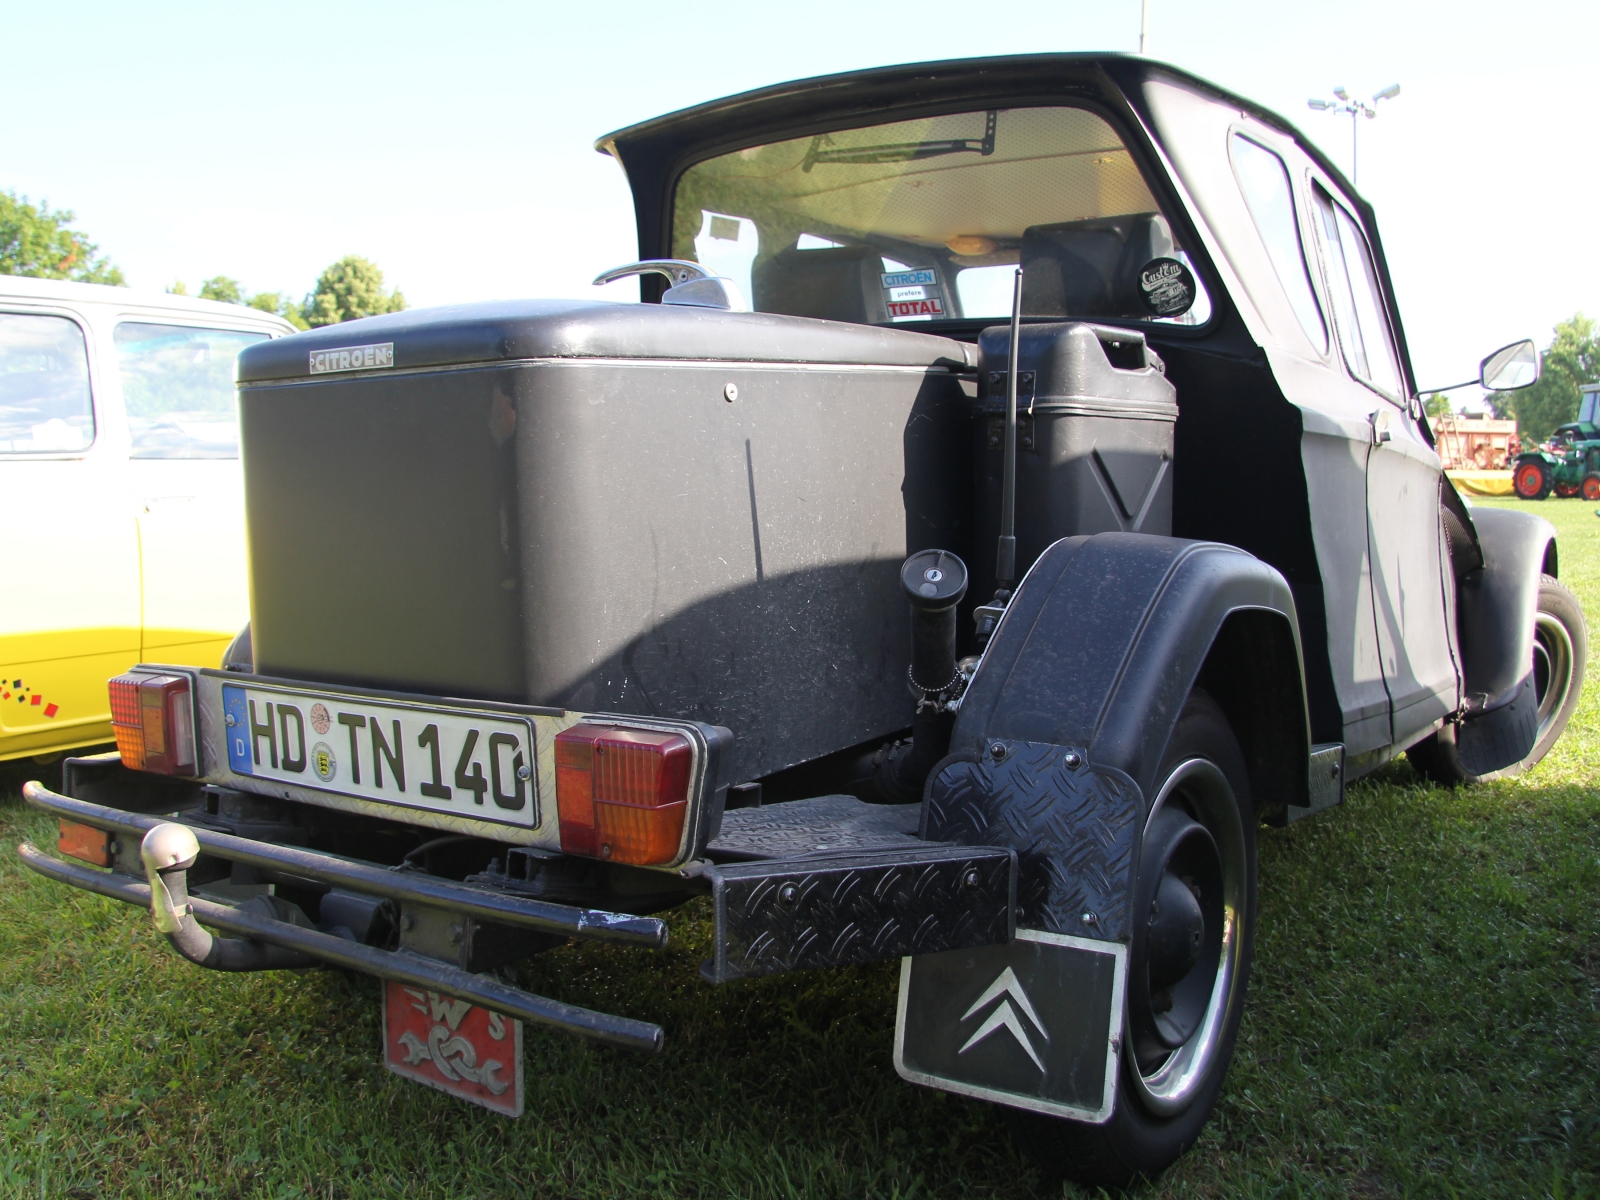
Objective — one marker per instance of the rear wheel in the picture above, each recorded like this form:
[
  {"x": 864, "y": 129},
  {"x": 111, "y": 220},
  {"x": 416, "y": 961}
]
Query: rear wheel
[
  {"x": 1532, "y": 479},
  {"x": 1194, "y": 902},
  {"x": 1560, "y": 653}
]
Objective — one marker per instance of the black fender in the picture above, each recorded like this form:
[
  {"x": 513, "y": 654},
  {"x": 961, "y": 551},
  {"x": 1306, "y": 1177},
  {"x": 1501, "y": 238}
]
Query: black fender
[
  {"x": 1062, "y": 730},
  {"x": 1495, "y": 607}
]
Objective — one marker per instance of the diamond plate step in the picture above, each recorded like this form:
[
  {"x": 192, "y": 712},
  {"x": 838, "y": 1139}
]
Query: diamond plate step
[{"x": 831, "y": 910}]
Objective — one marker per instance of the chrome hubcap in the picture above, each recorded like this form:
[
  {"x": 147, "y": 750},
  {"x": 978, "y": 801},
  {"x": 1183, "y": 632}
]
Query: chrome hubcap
[
  {"x": 1184, "y": 971},
  {"x": 1552, "y": 668}
]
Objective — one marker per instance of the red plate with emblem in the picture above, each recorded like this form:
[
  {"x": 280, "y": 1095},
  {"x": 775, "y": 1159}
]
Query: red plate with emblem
[{"x": 457, "y": 1047}]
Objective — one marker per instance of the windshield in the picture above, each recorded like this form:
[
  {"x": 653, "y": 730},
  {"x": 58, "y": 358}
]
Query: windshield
[{"x": 928, "y": 219}]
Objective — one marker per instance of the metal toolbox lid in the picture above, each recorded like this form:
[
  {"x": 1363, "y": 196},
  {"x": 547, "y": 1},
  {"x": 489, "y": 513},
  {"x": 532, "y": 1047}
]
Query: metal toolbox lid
[{"x": 508, "y": 330}]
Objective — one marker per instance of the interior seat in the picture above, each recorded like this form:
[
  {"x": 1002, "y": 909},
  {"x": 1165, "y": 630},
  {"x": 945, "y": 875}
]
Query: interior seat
[
  {"x": 1091, "y": 268},
  {"x": 843, "y": 283}
]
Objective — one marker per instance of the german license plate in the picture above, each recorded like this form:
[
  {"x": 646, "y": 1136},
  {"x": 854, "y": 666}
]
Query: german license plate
[
  {"x": 457, "y": 1047},
  {"x": 459, "y": 761}
]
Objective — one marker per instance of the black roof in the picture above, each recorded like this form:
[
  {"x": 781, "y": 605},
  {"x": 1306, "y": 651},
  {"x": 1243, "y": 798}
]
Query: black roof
[{"x": 803, "y": 101}]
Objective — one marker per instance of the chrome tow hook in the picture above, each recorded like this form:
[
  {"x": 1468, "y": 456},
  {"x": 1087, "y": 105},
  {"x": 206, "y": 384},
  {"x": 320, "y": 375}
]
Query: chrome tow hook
[{"x": 168, "y": 851}]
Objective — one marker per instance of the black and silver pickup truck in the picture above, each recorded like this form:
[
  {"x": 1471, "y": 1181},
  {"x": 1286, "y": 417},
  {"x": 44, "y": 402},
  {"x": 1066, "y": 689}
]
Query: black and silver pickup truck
[{"x": 1010, "y": 495}]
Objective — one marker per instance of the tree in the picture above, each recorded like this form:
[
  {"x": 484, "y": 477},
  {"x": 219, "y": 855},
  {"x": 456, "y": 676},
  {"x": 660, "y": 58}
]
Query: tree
[
  {"x": 223, "y": 289},
  {"x": 36, "y": 242},
  {"x": 1437, "y": 405},
  {"x": 350, "y": 288},
  {"x": 1571, "y": 359},
  {"x": 230, "y": 291}
]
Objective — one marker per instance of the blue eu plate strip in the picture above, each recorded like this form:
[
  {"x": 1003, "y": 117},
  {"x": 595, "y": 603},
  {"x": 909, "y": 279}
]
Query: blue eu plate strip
[{"x": 237, "y": 724}]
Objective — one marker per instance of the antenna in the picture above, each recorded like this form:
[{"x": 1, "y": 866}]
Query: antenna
[{"x": 1005, "y": 571}]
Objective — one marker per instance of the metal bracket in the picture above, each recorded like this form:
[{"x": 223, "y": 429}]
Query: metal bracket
[
  {"x": 1324, "y": 780},
  {"x": 691, "y": 284}
]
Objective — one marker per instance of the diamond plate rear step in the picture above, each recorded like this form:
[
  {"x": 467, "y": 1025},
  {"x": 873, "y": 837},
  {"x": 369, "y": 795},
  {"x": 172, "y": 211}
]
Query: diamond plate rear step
[
  {"x": 858, "y": 906},
  {"x": 820, "y": 825}
]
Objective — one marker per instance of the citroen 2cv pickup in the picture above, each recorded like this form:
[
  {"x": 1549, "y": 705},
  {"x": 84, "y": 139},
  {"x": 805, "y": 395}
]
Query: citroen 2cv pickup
[{"x": 1010, "y": 494}]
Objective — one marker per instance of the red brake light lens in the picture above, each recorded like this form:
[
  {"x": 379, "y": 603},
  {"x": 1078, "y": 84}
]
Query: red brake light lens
[
  {"x": 153, "y": 720},
  {"x": 622, "y": 794}
]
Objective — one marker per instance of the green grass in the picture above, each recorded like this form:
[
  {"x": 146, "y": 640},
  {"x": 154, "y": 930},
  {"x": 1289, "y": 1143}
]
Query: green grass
[{"x": 1423, "y": 1022}]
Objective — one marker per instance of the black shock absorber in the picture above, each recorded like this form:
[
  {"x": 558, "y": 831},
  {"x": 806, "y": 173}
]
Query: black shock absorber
[{"x": 935, "y": 582}]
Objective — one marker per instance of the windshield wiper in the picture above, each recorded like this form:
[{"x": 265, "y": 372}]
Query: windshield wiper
[{"x": 901, "y": 151}]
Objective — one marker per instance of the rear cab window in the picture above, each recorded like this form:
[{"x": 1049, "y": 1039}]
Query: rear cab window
[
  {"x": 178, "y": 386},
  {"x": 927, "y": 220},
  {"x": 45, "y": 402}
]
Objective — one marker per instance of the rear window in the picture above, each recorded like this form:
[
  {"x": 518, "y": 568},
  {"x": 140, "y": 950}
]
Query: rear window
[
  {"x": 45, "y": 406},
  {"x": 178, "y": 386},
  {"x": 925, "y": 220}
]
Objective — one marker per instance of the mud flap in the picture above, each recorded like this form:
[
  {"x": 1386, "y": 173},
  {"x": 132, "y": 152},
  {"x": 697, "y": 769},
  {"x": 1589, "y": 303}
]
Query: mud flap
[{"x": 1035, "y": 1023}]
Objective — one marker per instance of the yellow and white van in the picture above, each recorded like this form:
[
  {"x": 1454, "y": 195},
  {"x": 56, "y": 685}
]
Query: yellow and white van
[{"x": 122, "y": 534}]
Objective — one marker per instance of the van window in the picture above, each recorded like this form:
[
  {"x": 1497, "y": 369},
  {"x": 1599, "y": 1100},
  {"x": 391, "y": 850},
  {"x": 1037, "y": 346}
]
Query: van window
[
  {"x": 178, "y": 384},
  {"x": 1357, "y": 301},
  {"x": 45, "y": 407},
  {"x": 1264, "y": 180},
  {"x": 928, "y": 219}
]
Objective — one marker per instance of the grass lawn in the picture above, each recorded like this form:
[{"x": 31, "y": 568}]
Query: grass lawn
[{"x": 1422, "y": 1022}]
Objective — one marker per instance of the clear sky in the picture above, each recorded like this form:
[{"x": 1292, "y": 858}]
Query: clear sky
[{"x": 452, "y": 143}]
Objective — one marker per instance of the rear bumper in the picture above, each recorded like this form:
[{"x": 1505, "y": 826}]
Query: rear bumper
[
  {"x": 424, "y": 895},
  {"x": 818, "y": 883}
]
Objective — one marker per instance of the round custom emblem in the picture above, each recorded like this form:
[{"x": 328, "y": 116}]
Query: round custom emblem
[
  {"x": 322, "y": 759},
  {"x": 1167, "y": 287},
  {"x": 320, "y": 720}
]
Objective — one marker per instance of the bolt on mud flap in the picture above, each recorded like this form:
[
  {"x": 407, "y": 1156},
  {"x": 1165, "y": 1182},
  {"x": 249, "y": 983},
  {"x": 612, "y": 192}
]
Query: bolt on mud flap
[
  {"x": 1033, "y": 1024},
  {"x": 775, "y": 916}
]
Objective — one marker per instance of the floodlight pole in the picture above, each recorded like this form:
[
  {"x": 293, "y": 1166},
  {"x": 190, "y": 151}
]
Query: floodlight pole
[
  {"x": 1144, "y": 23},
  {"x": 1356, "y": 109}
]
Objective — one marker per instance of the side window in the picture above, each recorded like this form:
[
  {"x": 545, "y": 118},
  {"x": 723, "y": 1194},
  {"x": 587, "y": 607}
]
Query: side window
[
  {"x": 1358, "y": 304},
  {"x": 178, "y": 385},
  {"x": 45, "y": 406},
  {"x": 1264, "y": 181}
]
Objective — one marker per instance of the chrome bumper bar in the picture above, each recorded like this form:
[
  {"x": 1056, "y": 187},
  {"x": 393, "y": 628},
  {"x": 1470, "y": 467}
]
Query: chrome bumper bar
[{"x": 404, "y": 966}]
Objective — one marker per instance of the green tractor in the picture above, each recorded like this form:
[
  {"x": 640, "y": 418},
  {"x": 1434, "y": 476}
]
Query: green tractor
[{"x": 1569, "y": 464}]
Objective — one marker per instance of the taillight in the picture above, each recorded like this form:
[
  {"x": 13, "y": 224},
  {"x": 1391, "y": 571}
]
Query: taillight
[
  {"x": 622, "y": 794},
  {"x": 153, "y": 720}
]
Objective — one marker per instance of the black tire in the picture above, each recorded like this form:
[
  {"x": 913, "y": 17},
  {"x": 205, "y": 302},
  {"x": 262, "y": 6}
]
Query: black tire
[
  {"x": 1560, "y": 654},
  {"x": 1532, "y": 479},
  {"x": 1162, "y": 1105},
  {"x": 240, "y": 655},
  {"x": 1589, "y": 489}
]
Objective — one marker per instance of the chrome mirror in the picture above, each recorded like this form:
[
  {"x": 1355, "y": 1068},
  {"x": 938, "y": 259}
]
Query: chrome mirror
[{"x": 1510, "y": 367}]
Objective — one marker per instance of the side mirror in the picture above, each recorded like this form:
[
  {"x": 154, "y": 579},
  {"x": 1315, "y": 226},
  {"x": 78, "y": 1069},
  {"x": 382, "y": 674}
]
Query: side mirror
[{"x": 1510, "y": 367}]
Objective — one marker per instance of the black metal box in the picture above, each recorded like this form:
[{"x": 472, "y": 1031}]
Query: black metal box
[{"x": 607, "y": 507}]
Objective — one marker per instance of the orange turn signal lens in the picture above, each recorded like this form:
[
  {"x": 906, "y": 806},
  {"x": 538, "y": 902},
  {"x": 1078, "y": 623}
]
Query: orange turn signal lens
[
  {"x": 85, "y": 843},
  {"x": 622, "y": 794},
  {"x": 153, "y": 723}
]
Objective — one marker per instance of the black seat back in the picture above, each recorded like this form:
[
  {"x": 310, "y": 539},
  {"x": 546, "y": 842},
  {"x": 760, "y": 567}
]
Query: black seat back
[
  {"x": 1090, "y": 268},
  {"x": 843, "y": 283}
]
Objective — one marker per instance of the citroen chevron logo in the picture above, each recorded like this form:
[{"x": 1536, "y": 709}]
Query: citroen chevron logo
[{"x": 1005, "y": 1017}]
